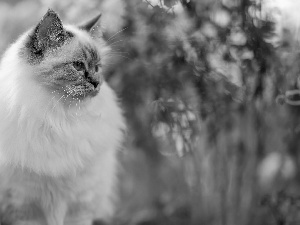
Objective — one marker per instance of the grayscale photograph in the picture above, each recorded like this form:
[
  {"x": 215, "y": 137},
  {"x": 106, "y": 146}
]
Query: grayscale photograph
[{"x": 149, "y": 112}]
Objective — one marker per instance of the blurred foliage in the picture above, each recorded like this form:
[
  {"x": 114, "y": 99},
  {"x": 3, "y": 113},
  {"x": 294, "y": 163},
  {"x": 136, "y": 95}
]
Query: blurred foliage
[{"x": 200, "y": 82}]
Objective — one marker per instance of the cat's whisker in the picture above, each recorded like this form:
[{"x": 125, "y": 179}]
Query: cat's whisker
[
  {"x": 110, "y": 63},
  {"x": 79, "y": 109},
  {"x": 109, "y": 53},
  {"x": 119, "y": 52},
  {"x": 48, "y": 105},
  {"x": 57, "y": 102},
  {"x": 116, "y": 49},
  {"x": 120, "y": 56},
  {"x": 111, "y": 44},
  {"x": 114, "y": 35},
  {"x": 67, "y": 97}
]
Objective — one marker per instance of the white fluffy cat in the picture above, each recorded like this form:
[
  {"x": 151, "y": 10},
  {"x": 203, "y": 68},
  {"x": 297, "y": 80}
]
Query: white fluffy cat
[{"x": 60, "y": 127}]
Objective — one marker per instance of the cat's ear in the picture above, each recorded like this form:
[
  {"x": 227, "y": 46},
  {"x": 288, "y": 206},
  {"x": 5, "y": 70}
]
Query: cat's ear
[
  {"x": 93, "y": 26},
  {"x": 49, "y": 33}
]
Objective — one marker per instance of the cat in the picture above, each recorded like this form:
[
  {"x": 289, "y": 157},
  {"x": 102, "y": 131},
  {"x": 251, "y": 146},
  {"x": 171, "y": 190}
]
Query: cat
[{"x": 61, "y": 126}]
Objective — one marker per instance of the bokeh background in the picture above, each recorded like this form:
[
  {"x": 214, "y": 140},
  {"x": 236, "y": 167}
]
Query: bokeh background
[{"x": 210, "y": 91}]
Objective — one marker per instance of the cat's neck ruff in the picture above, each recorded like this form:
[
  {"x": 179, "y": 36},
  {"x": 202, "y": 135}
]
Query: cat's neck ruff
[{"x": 40, "y": 134}]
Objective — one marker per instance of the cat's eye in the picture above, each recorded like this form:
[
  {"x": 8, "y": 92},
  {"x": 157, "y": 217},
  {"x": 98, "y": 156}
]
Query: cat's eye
[
  {"x": 97, "y": 68},
  {"x": 79, "y": 66}
]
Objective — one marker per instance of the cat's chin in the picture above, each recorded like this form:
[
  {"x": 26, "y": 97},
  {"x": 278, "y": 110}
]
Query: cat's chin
[
  {"x": 74, "y": 101},
  {"x": 76, "y": 96},
  {"x": 94, "y": 92},
  {"x": 89, "y": 94},
  {"x": 80, "y": 92}
]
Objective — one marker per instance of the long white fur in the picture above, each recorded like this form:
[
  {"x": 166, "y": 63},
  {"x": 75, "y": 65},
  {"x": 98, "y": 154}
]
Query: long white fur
[{"x": 61, "y": 159}]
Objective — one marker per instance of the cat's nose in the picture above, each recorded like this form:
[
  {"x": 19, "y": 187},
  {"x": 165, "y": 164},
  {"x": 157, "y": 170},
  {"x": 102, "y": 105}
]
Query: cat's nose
[
  {"x": 91, "y": 79},
  {"x": 95, "y": 83}
]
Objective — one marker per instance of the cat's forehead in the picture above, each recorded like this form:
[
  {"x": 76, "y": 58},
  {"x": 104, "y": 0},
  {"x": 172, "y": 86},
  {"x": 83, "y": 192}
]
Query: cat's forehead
[
  {"x": 81, "y": 46},
  {"x": 88, "y": 52},
  {"x": 82, "y": 35}
]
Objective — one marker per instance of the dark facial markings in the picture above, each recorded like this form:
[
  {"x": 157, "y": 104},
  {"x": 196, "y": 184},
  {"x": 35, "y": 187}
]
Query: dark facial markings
[
  {"x": 90, "y": 54},
  {"x": 48, "y": 35},
  {"x": 63, "y": 67},
  {"x": 79, "y": 66},
  {"x": 87, "y": 64}
]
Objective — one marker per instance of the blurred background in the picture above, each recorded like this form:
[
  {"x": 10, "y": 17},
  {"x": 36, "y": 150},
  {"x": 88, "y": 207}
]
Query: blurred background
[{"x": 210, "y": 91}]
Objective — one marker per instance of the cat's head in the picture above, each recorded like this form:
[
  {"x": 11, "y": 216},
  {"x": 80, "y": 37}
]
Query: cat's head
[{"x": 67, "y": 59}]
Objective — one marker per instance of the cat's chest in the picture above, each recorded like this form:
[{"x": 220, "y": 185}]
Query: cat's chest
[
  {"x": 60, "y": 147},
  {"x": 87, "y": 131}
]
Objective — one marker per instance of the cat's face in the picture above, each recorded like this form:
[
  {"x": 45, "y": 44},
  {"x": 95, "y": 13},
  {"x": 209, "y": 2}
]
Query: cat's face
[{"x": 67, "y": 59}]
